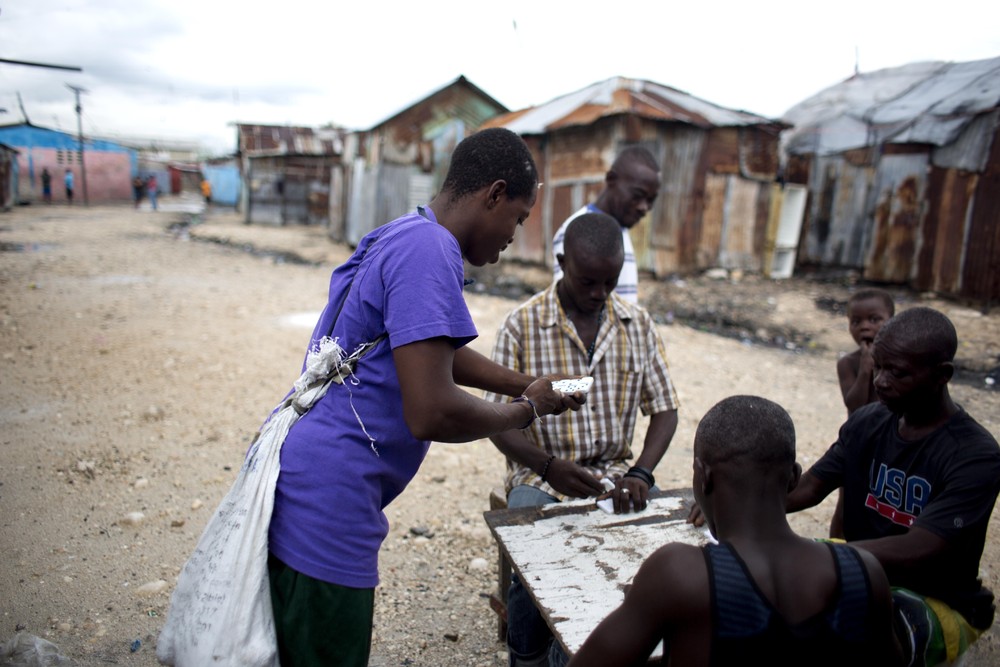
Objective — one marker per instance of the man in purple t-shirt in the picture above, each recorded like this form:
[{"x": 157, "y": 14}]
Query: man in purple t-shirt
[{"x": 360, "y": 445}]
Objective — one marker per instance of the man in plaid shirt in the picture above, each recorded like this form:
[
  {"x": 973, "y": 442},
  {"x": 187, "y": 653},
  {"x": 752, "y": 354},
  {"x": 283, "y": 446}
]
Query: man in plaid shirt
[{"x": 579, "y": 326}]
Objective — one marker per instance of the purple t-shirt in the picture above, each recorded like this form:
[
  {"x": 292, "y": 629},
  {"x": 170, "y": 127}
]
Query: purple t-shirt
[{"x": 328, "y": 521}]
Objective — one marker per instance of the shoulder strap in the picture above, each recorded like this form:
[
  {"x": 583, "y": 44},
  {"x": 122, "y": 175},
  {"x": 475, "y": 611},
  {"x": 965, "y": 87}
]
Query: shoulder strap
[
  {"x": 851, "y": 614},
  {"x": 347, "y": 292},
  {"x": 738, "y": 610}
]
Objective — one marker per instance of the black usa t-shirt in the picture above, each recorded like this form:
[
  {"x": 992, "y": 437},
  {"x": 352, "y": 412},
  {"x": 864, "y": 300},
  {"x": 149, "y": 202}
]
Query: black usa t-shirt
[{"x": 946, "y": 483}]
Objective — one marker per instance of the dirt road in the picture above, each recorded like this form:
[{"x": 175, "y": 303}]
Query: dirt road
[{"x": 138, "y": 362}]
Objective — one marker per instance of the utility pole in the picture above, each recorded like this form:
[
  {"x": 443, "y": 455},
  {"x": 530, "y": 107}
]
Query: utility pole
[{"x": 79, "y": 131}]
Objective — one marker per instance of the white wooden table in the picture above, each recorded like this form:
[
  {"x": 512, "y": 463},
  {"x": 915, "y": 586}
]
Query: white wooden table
[{"x": 576, "y": 560}]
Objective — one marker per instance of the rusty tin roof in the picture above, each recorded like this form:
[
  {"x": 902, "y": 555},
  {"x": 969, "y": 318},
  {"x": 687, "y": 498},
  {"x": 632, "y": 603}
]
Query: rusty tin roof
[
  {"x": 272, "y": 140},
  {"x": 621, "y": 95},
  {"x": 917, "y": 103}
]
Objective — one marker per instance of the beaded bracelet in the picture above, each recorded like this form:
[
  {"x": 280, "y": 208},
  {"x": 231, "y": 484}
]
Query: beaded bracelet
[
  {"x": 643, "y": 474},
  {"x": 545, "y": 468},
  {"x": 534, "y": 411}
]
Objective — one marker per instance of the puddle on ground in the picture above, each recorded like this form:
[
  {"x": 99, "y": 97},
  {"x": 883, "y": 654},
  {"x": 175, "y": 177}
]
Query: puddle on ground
[
  {"x": 7, "y": 246},
  {"x": 181, "y": 231},
  {"x": 119, "y": 280},
  {"x": 299, "y": 320}
]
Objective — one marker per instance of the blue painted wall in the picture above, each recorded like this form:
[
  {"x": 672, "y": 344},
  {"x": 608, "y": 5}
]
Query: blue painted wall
[{"x": 225, "y": 181}]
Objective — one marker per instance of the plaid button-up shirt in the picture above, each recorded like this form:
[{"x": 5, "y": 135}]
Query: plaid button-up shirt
[{"x": 630, "y": 374}]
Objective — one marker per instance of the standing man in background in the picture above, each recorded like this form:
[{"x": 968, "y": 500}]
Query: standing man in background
[
  {"x": 137, "y": 187},
  {"x": 46, "y": 186},
  {"x": 630, "y": 189},
  {"x": 68, "y": 180},
  {"x": 206, "y": 190},
  {"x": 152, "y": 189}
]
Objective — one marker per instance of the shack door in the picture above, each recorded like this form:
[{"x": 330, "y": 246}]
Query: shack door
[{"x": 897, "y": 217}]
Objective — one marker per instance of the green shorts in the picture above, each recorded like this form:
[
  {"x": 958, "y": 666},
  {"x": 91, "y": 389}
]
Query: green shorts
[{"x": 319, "y": 624}]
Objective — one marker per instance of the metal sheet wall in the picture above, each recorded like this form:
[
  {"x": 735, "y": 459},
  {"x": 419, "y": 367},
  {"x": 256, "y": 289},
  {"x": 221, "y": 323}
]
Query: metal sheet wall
[
  {"x": 361, "y": 211},
  {"x": 393, "y": 193},
  {"x": 571, "y": 165},
  {"x": 290, "y": 190},
  {"x": 945, "y": 231},
  {"x": 900, "y": 184},
  {"x": 380, "y": 193},
  {"x": 739, "y": 248},
  {"x": 676, "y": 218},
  {"x": 675, "y": 237},
  {"x": 924, "y": 216},
  {"x": 732, "y": 231},
  {"x": 981, "y": 267},
  {"x": 263, "y": 190},
  {"x": 838, "y": 230},
  {"x": 531, "y": 242}
]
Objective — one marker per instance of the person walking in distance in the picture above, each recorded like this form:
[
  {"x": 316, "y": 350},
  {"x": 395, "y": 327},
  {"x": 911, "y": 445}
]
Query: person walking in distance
[{"x": 152, "y": 190}]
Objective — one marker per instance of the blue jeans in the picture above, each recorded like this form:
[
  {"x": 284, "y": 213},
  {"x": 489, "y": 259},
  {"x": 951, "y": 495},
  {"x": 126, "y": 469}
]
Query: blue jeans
[{"x": 528, "y": 636}]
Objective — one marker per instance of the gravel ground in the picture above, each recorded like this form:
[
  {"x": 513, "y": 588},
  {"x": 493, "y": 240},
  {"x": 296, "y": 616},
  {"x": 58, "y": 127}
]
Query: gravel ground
[{"x": 139, "y": 357}]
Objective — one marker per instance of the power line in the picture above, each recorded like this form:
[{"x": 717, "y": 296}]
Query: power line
[{"x": 27, "y": 63}]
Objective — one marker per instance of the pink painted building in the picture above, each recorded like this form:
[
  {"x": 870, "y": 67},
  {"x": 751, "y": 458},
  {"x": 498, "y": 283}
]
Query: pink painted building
[{"x": 109, "y": 166}]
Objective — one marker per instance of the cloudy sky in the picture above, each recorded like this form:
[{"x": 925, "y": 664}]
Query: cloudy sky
[{"x": 188, "y": 69}]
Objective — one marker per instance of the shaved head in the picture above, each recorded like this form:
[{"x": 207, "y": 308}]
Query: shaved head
[
  {"x": 922, "y": 333},
  {"x": 594, "y": 234},
  {"x": 634, "y": 155},
  {"x": 747, "y": 430}
]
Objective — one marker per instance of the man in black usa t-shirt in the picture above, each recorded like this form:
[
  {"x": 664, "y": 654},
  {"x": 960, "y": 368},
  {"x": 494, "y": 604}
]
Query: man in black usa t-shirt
[{"x": 920, "y": 479}]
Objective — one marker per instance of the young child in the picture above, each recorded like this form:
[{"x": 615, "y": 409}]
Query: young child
[
  {"x": 867, "y": 311},
  {"x": 763, "y": 595}
]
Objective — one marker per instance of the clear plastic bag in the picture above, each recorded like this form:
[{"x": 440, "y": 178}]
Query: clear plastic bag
[{"x": 27, "y": 650}]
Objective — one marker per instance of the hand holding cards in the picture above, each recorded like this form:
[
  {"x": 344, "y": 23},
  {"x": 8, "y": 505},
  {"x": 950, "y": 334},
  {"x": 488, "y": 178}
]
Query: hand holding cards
[
  {"x": 607, "y": 504},
  {"x": 573, "y": 385}
]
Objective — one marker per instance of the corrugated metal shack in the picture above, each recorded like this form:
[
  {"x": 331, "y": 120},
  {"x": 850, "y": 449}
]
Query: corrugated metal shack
[
  {"x": 184, "y": 177},
  {"x": 291, "y": 175},
  {"x": 903, "y": 171},
  {"x": 401, "y": 162},
  {"x": 718, "y": 170}
]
